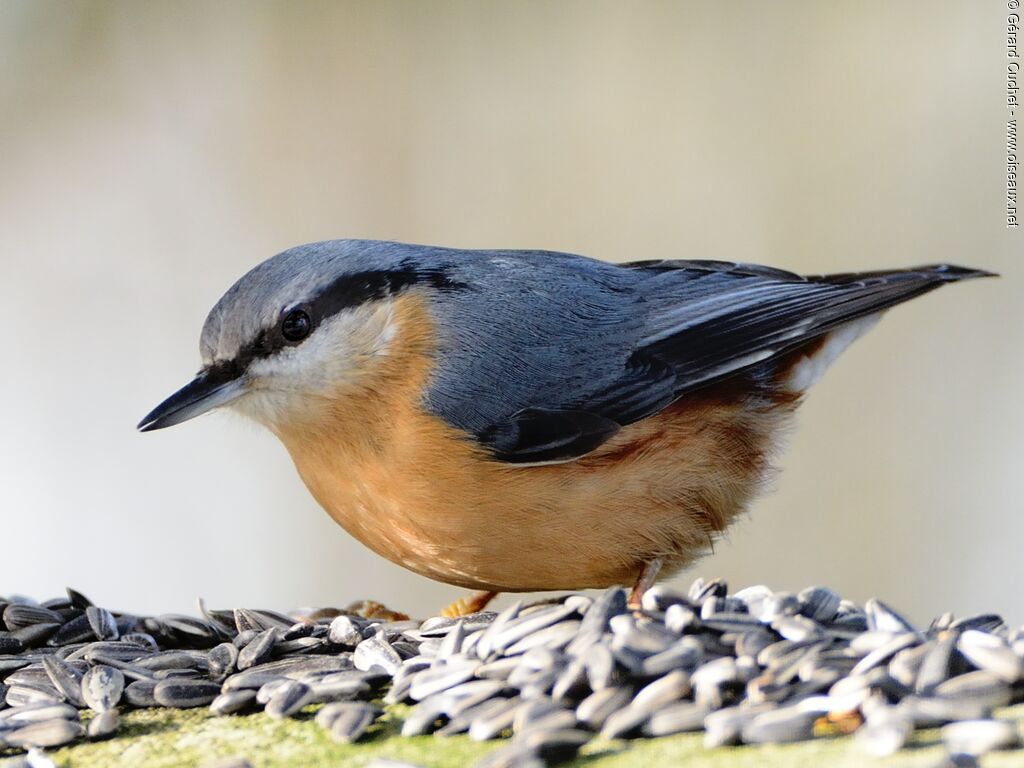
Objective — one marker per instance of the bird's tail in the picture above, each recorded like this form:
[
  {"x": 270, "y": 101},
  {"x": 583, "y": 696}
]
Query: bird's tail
[{"x": 928, "y": 273}]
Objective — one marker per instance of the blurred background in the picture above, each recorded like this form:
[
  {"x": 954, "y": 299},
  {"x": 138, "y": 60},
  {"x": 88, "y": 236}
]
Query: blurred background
[{"x": 154, "y": 151}]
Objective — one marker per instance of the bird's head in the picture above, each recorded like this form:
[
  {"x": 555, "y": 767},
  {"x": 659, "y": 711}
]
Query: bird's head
[{"x": 299, "y": 328}]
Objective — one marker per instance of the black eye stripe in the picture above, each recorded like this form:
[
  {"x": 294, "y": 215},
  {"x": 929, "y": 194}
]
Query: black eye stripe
[
  {"x": 361, "y": 287},
  {"x": 347, "y": 291}
]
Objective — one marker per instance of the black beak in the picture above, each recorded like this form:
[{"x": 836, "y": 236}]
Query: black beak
[{"x": 213, "y": 387}]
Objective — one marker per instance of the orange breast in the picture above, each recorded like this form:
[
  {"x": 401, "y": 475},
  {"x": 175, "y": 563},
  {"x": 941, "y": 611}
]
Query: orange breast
[{"x": 424, "y": 495}]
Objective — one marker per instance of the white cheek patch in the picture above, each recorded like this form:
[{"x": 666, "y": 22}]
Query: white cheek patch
[
  {"x": 808, "y": 370},
  {"x": 333, "y": 357}
]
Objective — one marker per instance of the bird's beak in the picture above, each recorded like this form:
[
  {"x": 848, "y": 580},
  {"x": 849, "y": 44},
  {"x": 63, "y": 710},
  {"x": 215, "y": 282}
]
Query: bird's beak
[{"x": 210, "y": 389}]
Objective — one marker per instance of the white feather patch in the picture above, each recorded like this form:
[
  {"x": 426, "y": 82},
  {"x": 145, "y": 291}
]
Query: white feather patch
[
  {"x": 808, "y": 370},
  {"x": 293, "y": 383}
]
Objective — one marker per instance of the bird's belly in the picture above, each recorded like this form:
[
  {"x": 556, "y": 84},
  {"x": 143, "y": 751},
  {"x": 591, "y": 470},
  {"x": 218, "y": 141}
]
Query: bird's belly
[{"x": 430, "y": 500}]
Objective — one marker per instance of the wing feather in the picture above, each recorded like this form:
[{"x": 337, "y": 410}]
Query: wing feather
[{"x": 641, "y": 335}]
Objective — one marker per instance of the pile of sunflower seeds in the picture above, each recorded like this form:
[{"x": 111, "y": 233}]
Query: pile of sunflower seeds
[{"x": 754, "y": 667}]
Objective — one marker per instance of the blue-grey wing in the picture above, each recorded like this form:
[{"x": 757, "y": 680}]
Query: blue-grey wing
[{"x": 546, "y": 356}]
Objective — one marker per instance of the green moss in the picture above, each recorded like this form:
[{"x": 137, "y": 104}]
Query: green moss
[{"x": 162, "y": 738}]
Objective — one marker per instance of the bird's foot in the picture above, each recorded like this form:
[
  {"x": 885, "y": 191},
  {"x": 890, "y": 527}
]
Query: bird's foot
[
  {"x": 644, "y": 581},
  {"x": 370, "y": 609},
  {"x": 467, "y": 605}
]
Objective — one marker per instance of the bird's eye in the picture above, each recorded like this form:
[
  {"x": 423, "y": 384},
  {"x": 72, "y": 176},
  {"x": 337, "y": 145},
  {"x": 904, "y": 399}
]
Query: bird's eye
[{"x": 296, "y": 325}]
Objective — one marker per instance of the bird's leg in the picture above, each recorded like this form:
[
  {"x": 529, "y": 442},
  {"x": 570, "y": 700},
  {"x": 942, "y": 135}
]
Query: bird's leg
[
  {"x": 644, "y": 581},
  {"x": 467, "y": 605}
]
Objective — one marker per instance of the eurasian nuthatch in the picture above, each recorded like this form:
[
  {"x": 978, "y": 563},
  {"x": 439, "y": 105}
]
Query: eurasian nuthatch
[{"x": 524, "y": 420}]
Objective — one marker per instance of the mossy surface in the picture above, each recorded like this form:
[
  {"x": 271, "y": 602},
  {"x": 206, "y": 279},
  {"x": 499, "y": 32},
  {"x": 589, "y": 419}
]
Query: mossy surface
[{"x": 164, "y": 738}]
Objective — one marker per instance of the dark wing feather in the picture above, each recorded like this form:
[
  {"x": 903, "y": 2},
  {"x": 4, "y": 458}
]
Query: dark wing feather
[
  {"x": 540, "y": 435},
  {"x": 766, "y": 318},
  {"x": 703, "y": 321}
]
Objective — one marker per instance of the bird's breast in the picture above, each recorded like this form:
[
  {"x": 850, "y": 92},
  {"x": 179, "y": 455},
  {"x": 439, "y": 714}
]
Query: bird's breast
[{"x": 425, "y": 496}]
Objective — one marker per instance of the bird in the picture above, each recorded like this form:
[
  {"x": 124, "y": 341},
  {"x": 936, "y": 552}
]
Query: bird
[{"x": 514, "y": 420}]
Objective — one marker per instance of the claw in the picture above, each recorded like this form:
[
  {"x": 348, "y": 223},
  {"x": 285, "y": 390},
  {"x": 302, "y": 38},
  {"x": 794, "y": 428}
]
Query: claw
[{"x": 467, "y": 605}]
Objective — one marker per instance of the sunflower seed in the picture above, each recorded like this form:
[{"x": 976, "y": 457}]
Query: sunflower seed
[
  {"x": 624, "y": 722},
  {"x": 884, "y": 652},
  {"x": 232, "y": 702},
  {"x": 247, "y": 619},
  {"x": 818, "y": 603},
  {"x": 468, "y": 695},
  {"x": 257, "y": 650},
  {"x": 167, "y": 660},
  {"x": 672, "y": 687},
  {"x": 600, "y": 665},
  {"x": 554, "y": 638},
  {"x": 102, "y": 687},
  {"x": 518, "y": 628},
  {"x": 724, "y": 726},
  {"x": 436, "y": 679},
  {"x": 797, "y": 628},
  {"x": 680, "y": 619},
  {"x": 985, "y": 622},
  {"x": 141, "y": 639},
  {"x": 351, "y": 724},
  {"x": 571, "y": 682},
  {"x": 779, "y": 726},
  {"x": 881, "y": 617},
  {"x": 461, "y": 721},
  {"x": 451, "y": 644},
  {"x": 103, "y": 726},
  {"x": 938, "y": 664},
  {"x": 184, "y": 694},
  {"x": 931, "y": 711},
  {"x": 484, "y": 646},
  {"x": 884, "y": 734},
  {"x": 222, "y": 661},
  {"x": 77, "y": 630},
  {"x": 140, "y": 693},
  {"x": 906, "y": 665},
  {"x": 102, "y": 623},
  {"x": 495, "y": 721},
  {"x": 65, "y": 679},
  {"x": 35, "y": 758},
  {"x": 990, "y": 653},
  {"x": 555, "y": 745},
  {"x": 51, "y": 733},
  {"x": 681, "y": 717},
  {"x": 514, "y": 755},
  {"x": 130, "y": 671},
  {"x": 289, "y": 699},
  {"x": 659, "y": 598},
  {"x": 376, "y": 651},
  {"x": 981, "y": 687},
  {"x": 346, "y": 631},
  {"x": 267, "y": 690},
  {"x": 31, "y": 694},
  {"x": 18, "y": 716},
  {"x": 17, "y": 616},
  {"x": 976, "y": 737},
  {"x": 423, "y": 718},
  {"x": 343, "y": 689},
  {"x": 598, "y": 706},
  {"x": 612, "y": 602},
  {"x": 530, "y": 712}
]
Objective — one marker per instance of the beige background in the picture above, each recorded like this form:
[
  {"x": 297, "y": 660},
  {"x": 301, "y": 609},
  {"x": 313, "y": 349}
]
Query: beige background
[{"x": 152, "y": 152}]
